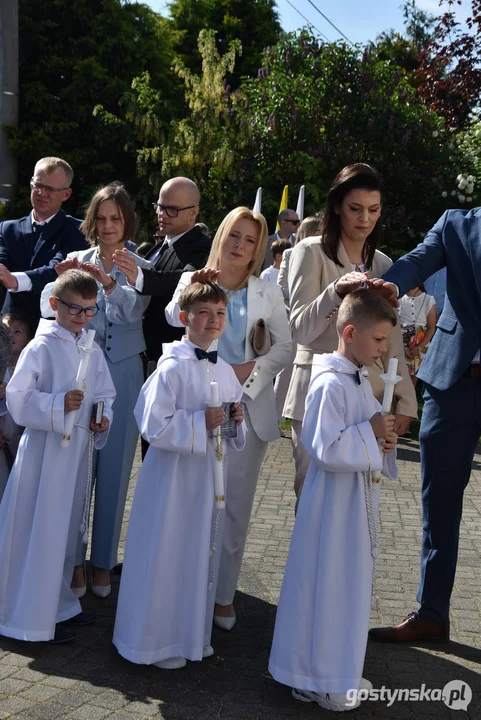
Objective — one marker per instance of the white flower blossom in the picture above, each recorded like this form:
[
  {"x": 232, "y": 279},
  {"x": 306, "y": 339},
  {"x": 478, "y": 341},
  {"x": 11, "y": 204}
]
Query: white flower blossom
[
  {"x": 461, "y": 198},
  {"x": 459, "y": 178},
  {"x": 470, "y": 179},
  {"x": 435, "y": 133},
  {"x": 453, "y": 193},
  {"x": 444, "y": 194},
  {"x": 469, "y": 199},
  {"x": 462, "y": 184},
  {"x": 469, "y": 189}
]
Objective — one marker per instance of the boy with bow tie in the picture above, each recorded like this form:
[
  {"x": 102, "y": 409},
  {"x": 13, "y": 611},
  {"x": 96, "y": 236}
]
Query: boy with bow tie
[{"x": 169, "y": 577}]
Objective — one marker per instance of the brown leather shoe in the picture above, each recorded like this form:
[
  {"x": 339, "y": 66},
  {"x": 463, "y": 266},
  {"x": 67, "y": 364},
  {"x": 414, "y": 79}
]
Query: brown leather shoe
[{"x": 412, "y": 629}]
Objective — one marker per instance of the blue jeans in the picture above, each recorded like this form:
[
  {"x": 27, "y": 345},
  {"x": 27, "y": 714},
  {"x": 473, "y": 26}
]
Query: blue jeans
[{"x": 450, "y": 429}]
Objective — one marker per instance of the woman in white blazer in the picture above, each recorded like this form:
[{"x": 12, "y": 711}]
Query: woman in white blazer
[
  {"x": 321, "y": 271},
  {"x": 235, "y": 261}
]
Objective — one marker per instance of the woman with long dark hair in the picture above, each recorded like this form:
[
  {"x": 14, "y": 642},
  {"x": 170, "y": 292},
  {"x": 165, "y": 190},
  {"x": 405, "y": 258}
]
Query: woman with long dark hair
[{"x": 322, "y": 271}]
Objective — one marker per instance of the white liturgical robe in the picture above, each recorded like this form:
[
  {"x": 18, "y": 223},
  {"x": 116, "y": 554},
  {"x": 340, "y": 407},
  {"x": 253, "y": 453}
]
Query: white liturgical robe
[
  {"x": 322, "y": 620},
  {"x": 41, "y": 510},
  {"x": 167, "y": 591}
]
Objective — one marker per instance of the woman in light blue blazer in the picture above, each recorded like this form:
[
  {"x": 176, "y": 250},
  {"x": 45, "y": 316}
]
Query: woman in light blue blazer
[{"x": 109, "y": 222}]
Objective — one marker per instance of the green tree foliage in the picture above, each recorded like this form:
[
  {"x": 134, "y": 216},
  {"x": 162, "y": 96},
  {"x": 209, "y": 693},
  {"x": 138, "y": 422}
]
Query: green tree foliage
[
  {"x": 315, "y": 108},
  {"x": 208, "y": 145},
  {"x": 255, "y": 23},
  {"x": 74, "y": 55}
]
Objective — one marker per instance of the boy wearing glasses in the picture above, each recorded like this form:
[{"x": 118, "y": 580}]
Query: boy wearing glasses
[{"x": 45, "y": 500}]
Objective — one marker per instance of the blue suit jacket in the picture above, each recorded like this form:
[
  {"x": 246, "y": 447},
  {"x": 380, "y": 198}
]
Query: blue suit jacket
[
  {"x": 59, "y": 237},
  {"x": 454, "y": 243}
]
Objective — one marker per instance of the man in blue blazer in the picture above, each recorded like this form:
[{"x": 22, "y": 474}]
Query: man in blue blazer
[
  {"x": 31, "y": 246},
  {"x": 451, "y": 420}
]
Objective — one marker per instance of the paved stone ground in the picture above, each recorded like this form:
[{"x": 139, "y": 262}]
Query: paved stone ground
[{"x": 87, "y": 680}]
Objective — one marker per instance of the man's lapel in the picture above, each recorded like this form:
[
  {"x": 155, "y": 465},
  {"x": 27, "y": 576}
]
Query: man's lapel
[
  {"x": 48, "y": 231},
  {"x": 27, "y": 237},
  {"x": 472, "y": 239}
]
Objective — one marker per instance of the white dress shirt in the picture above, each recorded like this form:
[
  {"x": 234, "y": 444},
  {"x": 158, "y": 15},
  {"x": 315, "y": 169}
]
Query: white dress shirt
[{"x": 139, "y": 282}]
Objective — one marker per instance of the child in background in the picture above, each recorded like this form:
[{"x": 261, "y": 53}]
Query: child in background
[
  {"x": 417, "y": 315},
  {"x": 174, "y": 541},
  {"x": 20, "y": 332},
  {"x": 322, "y": 620},
  {"x": 272, "y": 272},
  {"x": 45, "y": 501}
]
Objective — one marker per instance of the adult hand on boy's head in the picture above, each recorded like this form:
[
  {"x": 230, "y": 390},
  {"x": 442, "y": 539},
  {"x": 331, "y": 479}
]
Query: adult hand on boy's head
[
  {"x": 96, "y": 272},
  {"x": 73, "y": 400},
  {"x": 384, "y": 289},
  {"x": 214, "y": 417},
  {"x": 102, "y": 426},
  {"x": 350, "y": 282},
  {"x": 205, "y": 275},
  {"x": 237, "y": 413},
  {"x": 69, "y": 264}
]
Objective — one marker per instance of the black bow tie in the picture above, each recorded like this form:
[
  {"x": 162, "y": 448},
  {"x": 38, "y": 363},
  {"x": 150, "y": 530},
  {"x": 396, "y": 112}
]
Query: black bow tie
[{"x": 204, "y": 355}]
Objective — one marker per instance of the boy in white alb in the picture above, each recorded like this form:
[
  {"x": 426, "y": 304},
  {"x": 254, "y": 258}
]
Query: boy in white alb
[
  {"x": 272, "y": 272},
  {"x": 174, "y": 540},
  {"x": 322, "y": 620},
  {"x": 41, "y": 510}
]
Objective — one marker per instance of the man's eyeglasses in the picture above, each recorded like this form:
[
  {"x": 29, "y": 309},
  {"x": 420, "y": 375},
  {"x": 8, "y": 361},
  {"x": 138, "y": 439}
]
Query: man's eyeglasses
[
  {"x": 35, "y": 185},
  {"x": 294, "y": 222},
  {"x": 170, "y": 211},
  {"x": 78, "y": 309}
]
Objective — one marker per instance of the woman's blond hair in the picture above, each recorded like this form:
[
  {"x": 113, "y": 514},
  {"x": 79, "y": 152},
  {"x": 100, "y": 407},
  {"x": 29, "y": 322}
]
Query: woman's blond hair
[{"x": 240, "y": 213}]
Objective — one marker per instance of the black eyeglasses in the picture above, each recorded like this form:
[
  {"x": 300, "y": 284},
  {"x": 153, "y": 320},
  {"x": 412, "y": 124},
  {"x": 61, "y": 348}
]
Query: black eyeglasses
[
  {"x": 78, "y": 309},
  {"x": 169, "y": 210},
  {"x": 294, "y": 222},
  {"x": 35, "y": 185}
]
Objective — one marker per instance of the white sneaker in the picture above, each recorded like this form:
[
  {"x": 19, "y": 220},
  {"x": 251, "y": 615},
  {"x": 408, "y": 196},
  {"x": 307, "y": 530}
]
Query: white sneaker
[
  {"x": 208, "y": 651},
  {"x": 174, "y": 663},
  {"x": 365, "y": 684},
  {"x": 337, "y": 702}
]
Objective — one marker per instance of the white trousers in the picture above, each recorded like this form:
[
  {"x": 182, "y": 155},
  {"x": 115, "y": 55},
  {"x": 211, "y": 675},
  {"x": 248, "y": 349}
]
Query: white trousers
[{"x": 242, "y": 473}]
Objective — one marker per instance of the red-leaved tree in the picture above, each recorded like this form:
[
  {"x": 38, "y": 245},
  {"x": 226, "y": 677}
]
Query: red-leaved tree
[{"x": 450, "y": 70}]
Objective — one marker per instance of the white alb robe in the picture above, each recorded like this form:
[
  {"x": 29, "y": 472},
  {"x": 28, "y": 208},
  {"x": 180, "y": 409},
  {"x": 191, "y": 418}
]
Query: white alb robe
[
  {"x": 322, "y": 620},
  {"x": 41, "y": 510},
  {"x": 166, "y": 599}
]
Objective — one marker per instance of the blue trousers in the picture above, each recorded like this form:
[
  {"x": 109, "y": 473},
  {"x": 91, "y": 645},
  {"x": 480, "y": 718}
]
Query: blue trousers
[
  {"x": 113, "y": 465},
  {"x": 450, "y": 429}
]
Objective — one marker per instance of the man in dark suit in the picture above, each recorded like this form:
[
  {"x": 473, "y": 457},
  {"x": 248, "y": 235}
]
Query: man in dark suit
[
  {"x": 288, "y": 223},
  {"x": 31, "y": 246},
  {"x": 451, "y": 420},
  {"x": 184, "y": 248}
]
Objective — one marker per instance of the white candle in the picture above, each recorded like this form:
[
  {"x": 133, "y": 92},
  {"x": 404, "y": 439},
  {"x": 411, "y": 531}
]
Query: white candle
[
  {"x": 390, "y": 379},
  {"x": 218, "y": 465},
  {"x": 85, "y": 351}
]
